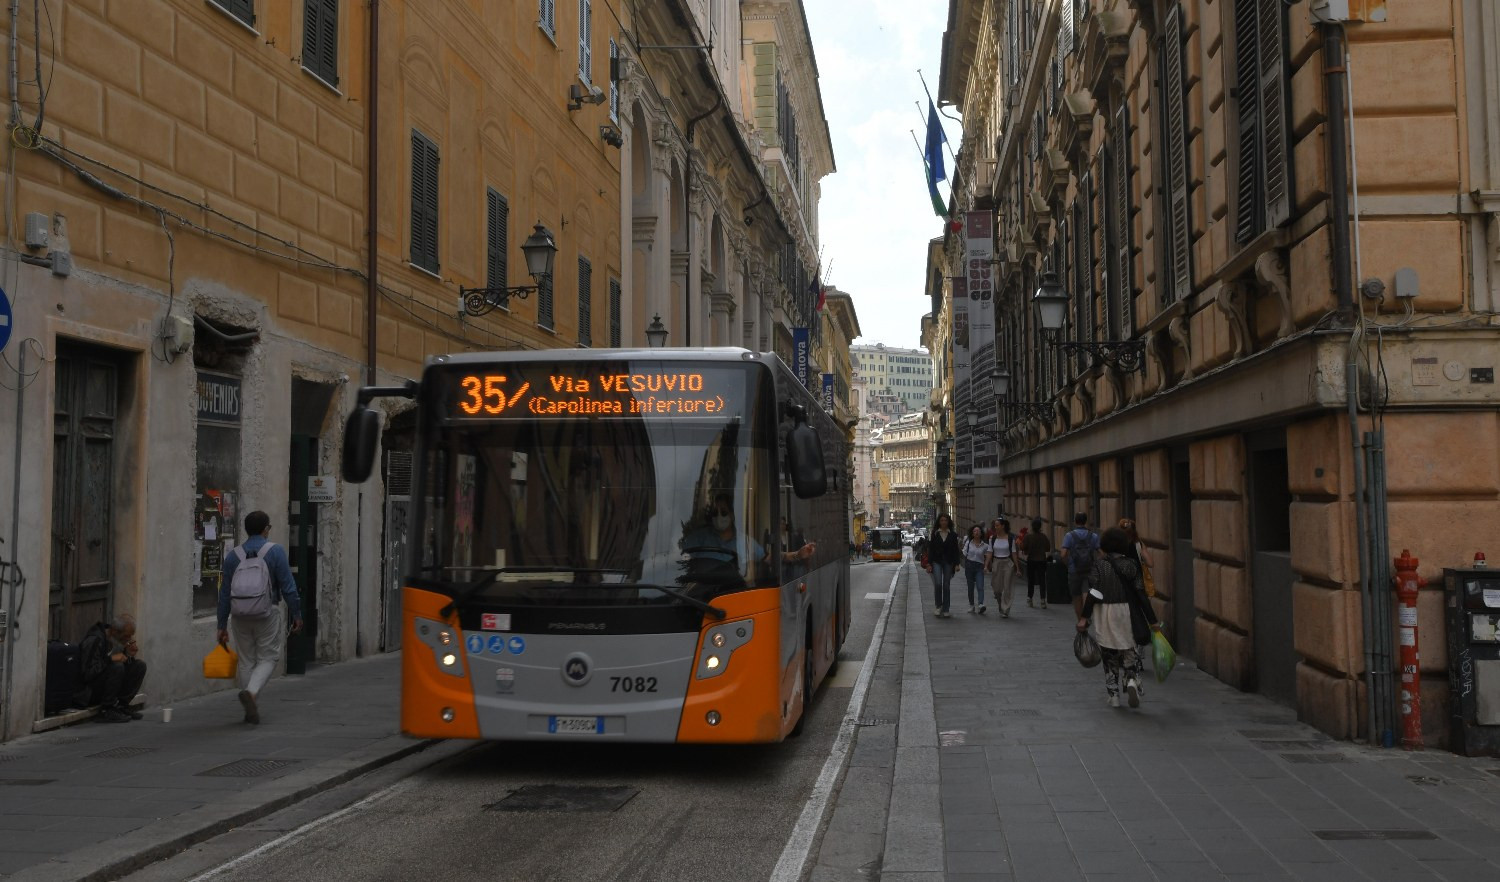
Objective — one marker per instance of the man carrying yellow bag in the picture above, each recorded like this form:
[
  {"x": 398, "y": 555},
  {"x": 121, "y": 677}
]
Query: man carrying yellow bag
[
  {"x": 221, "y": 663},
  {"x": 256, "y": 579}
]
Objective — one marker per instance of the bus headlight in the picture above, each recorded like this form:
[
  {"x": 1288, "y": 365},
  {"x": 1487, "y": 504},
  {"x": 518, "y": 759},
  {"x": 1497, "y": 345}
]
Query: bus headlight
[
  {"x": 445, "y": 637},
  {"x": 719, "y": 644},
  {"x": 444, "y": 640},
  {"x": 450, "y": 660}
]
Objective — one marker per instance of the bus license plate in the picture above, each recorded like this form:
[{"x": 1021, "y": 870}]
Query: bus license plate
[{"x": 585, "y": 725}]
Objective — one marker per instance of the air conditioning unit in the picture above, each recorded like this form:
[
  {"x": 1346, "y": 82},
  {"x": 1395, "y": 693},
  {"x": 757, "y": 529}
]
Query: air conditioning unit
[{"x": 1335, "y": 11}]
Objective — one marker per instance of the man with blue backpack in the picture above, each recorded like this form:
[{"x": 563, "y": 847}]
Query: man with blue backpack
[
  {"x": 1079, "y": 548},
  {"x": 255, "y": 580}
]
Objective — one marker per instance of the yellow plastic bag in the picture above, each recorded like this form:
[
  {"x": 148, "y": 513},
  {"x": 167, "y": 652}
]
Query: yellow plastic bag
[{"x": 221, "y": 663}]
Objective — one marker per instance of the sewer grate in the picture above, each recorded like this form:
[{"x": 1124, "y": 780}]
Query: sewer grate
[
  {"x": 121, "y": 752},
  {"x": 876, "y": 721},
  {"x": 564, "y": 798},
  {"x": 953, "y": 738},
  {"x": 1379, "y": 835},
  {"x": 1268, "y": 744},
  {"x": 25, "y": 782},
  {"x": 8, "y": 757},
  {"x": 1308, "y": 758},
  {"x": 246, "y": 768},
  {"x": 1426, "y": 780}
]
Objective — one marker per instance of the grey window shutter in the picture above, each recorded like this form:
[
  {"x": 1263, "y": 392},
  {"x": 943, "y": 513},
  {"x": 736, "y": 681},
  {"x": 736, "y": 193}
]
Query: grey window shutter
[
  {"x": 424, "y": 202},
  {"x": 614, "y": 81},
  {"x": 544, "y": 302},
  {"x": 1178, "y": 282},
  {"x": 585, "y": 41},
  {"x": 1271, "y": 46},
  {"x": 497, "y": 263},
  {"x": 244, "y": 10},
  {"x": 615, "y": 319},
  {"x": 1121, "y": 299},
  {"x": 320, "y": 39},
  {"x": 585, "y": 302},
  {"x": 1250, "y": 176},
  {"x": 1085, "y": 233},
  {"x": 1065, "y": 27}
]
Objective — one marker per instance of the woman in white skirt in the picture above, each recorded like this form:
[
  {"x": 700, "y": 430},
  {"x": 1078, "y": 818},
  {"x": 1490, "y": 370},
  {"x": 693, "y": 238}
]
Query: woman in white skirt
[{"x": 1114, "y": 587}]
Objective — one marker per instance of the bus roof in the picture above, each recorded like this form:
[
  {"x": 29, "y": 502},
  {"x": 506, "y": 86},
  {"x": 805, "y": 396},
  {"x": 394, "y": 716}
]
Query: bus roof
[{"x": 715, "y": 353}]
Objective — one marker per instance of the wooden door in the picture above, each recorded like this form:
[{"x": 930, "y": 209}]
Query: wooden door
[{"x": 83, "y": 477}]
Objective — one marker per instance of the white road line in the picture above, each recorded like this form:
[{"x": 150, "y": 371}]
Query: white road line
[
  {"x": 305, "y": 829},
  {"x": 874, "y": 595},
  {"x": 798, "y": 850}
]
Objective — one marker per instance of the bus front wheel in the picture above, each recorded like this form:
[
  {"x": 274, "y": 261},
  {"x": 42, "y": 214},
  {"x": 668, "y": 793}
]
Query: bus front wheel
[{"x": 807, "y": 688}]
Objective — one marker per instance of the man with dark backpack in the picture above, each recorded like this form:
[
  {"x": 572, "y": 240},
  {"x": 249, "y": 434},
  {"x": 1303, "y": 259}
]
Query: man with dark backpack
[
  {"x": 255, "y": 580},
  {"x": 1079, "y": 548}
]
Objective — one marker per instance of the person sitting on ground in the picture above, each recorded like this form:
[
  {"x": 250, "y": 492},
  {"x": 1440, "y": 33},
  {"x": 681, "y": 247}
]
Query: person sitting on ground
[{"x": 110, "y": 672}]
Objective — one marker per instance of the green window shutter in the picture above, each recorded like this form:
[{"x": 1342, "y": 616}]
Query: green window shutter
[
  {"x": 497, "y": 266},
  {"x": 1086, "y": 255},
  {"x": 424, "y": 202},
  {"x": 615, "y": 318},
  {"x": 1271, "y": 47},
  {"x": 320, "y": 39},
  {"x": 1250, "y": 175},
  {"x": 1120, "y": 299},
  {"x": 1178, "y": 269},
  {"x": 585, "y": 302},
  {"x": 544, "y": 302}
]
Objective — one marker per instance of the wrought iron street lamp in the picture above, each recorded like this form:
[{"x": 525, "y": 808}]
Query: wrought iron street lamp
[
  {"x": 539, "y": 250},
  {"x": 974, "y": 429},
  {"x": 1051, "y": 303},
  {"x": 656, "y": 333},
  {"x": 1000, "y": 385}
]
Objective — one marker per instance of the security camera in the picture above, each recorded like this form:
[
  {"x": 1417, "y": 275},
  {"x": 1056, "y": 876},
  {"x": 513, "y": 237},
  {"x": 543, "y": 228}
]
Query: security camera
[{"x": 596, "y": 95}]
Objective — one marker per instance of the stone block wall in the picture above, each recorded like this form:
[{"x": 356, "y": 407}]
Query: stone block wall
[{"x": 1221, "y": 584}]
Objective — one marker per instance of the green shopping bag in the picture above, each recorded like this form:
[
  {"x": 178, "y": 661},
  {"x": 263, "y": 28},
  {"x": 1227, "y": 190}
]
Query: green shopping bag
[{"x": 1163, "y": 656}]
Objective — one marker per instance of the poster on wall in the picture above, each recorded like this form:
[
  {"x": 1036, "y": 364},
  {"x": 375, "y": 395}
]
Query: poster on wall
[
  {"x": 802, "y": 356},
  {"x": 828, "y": 392},
  {"x": 979, "y": 250}
]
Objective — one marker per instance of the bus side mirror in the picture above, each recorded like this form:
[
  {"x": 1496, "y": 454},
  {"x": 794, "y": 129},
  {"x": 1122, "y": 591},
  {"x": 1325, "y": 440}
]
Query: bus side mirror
[
  {"x": 361, "y": 436},
  {"x": 805, "y": 459}
]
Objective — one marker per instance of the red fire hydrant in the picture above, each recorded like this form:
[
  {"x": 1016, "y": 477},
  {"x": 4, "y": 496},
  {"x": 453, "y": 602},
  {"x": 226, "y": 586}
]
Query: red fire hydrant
[{"x": 1408, "y": 583}]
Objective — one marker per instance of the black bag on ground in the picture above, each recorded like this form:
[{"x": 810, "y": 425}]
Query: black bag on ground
[
  {"x": 64, "y": 679},
  {"x": 1056, "y": 581}
]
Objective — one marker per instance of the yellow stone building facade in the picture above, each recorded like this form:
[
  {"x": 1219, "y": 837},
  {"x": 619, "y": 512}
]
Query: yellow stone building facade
[
  {"x": 1300, "y": 254},
  {"x": 198, "y": 290}
]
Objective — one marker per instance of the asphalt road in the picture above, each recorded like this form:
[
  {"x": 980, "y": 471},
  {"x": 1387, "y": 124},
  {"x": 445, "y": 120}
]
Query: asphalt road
[{"x": 630, "y": 812}]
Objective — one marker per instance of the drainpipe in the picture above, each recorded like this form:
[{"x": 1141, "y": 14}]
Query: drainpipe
[
  {"x": 15, "y": 60},
  {"x": 372, "y": 291},
  {"x": 1334, "y": 73},
  {"x": 687, "y": 198}
]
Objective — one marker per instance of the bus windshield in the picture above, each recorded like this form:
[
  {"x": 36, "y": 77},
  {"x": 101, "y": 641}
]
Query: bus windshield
[
  {"x": 592, "y": 488},
  {"x": 885, "y": 539}
]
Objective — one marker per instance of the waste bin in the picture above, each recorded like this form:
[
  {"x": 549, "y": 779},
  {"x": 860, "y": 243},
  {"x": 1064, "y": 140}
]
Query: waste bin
[
  {"x": 1472, "y": 603},
  {"x": 1057, "y": 581}
]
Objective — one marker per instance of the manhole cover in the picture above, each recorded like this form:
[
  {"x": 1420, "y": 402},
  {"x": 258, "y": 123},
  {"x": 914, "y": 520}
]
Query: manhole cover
[
  {"x": 1311, "y": 758},
  {"x": 1266, "y": 744},
  {"x": 25, "y": 782},
  {"x": 564, "y": 798},
  {"x": 246, "y": 768},
  {"x": 1380, "y": 835},
  {"x": 121, "y": 752},
  {"x": 876, "y": 721},
  {"x": 1425, "y": 780}
]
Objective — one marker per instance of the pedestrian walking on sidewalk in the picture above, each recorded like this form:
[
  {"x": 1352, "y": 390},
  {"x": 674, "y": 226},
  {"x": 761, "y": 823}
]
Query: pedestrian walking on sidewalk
[
  {"x": 1034, "y": 550},
  {"x": 976, "y": 550},
  {"x": 943, "y": 558},
  {"x": 1080, "y": 547},
  {"x": 1115, "y": 605},
  {"x": 1003, "y": 564},
  {"x": 257, "y": 578}
]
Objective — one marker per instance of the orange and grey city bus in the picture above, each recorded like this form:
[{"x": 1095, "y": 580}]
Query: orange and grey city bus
[
  {"x": 886, "y": 544},
  {"x": 621, "y": 545}
]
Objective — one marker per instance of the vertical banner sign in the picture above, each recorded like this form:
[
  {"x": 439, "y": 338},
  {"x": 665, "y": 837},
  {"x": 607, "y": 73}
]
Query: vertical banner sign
[
  {"x": 802, "y": 356},
  {"x": 828, "y": 392},
  {"x": 979, "y": 249},
  {"x": 963, "y": 451}
]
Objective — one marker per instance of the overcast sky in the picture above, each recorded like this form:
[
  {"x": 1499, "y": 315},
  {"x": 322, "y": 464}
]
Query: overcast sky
[{"x": 875, "y": 216}]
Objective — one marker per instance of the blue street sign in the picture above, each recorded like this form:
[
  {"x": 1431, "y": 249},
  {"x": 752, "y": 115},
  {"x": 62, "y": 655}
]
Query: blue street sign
[{"x": 5, "y": 319}]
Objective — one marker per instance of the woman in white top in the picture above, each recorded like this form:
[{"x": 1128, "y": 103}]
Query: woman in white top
[
  {"x": 1004, "y": 563},
  {"x": 976, "y": 563}
]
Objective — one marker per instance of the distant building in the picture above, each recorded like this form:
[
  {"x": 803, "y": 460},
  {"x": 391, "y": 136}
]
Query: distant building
[{"x": 895, "y": 377}]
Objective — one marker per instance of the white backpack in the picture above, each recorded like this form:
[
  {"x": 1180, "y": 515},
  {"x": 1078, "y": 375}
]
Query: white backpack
[{"x": 250, "y": 587}]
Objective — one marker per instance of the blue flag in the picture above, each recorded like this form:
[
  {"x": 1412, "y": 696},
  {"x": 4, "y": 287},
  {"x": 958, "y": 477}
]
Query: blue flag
[{"x": 936, "y": 138}]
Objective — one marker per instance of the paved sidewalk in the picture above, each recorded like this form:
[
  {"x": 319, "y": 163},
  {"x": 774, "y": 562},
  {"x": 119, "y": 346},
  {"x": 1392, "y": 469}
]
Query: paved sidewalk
[
  {"x": 992, "y": 755},
  {"x": 97, "y": 800}
]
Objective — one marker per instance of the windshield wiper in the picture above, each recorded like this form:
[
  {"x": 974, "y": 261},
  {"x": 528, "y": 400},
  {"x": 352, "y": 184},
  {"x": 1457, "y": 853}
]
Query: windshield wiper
[
  {"x": 689, "y": 599},
  {"x": 470, "y": 590}
]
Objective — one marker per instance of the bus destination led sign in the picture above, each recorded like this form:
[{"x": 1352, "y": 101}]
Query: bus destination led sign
[{"x": 570, "y": 394}]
